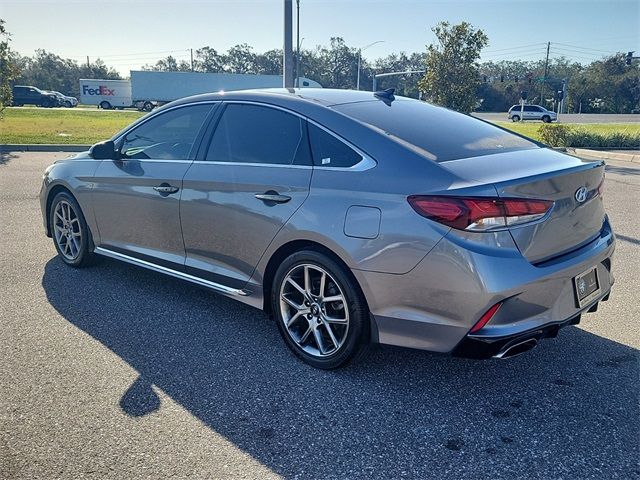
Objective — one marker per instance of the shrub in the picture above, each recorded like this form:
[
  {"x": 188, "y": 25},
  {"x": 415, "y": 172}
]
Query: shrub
[
  {"x": 554, "y": 134},
  {"x": 557, "y": 135}
]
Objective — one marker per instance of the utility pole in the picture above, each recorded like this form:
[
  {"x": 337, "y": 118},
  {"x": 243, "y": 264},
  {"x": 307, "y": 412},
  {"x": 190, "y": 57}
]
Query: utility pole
[
  {"x": 88, "y": 64},
  {"x": 298, "y": 43},
  {"x": 191, "y": 50},
  {"x": 544, "y": 78},
  {"x": 287, "y": 61}
]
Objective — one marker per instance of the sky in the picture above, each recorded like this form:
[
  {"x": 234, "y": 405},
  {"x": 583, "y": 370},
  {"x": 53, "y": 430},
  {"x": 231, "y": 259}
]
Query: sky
[{"x": 129, "y": 34}]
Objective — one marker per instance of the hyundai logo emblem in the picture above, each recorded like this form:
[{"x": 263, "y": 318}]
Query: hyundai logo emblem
[{"x": 581, "y": 194}]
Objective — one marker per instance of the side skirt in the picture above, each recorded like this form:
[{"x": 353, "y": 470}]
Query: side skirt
[{"x": 231, "y": 292}]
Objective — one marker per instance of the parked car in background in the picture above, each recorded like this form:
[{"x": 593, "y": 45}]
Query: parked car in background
[
  {"x": 351, "y": 217},
  {"x": 29, "y": 95},
  {"x": 531, "y": 112},
  {"x": 65, "y": 100}
]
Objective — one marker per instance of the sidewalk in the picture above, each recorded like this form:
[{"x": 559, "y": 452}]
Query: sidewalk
[{"x": 623, "y": 155}]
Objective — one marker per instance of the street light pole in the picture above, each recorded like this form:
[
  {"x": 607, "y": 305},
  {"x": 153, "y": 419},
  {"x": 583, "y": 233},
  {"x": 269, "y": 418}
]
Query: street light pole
[{"x": 360, "y": 60}]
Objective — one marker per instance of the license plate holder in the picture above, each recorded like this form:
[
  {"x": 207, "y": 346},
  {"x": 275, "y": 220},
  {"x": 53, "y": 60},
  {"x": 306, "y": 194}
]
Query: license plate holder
[{"x": 586, "y": 286}]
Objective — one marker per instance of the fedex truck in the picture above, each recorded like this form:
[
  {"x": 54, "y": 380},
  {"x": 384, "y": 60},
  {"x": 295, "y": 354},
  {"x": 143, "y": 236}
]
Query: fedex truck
[
  {"x": 107, "y": 94},
  {"x": 150, "y": 89}
]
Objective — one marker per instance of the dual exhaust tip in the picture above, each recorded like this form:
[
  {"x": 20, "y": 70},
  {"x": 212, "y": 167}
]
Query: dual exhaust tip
[{"x": 517, "y": 349}]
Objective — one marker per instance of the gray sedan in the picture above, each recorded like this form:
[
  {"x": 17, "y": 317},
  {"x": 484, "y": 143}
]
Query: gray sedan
[{"x": 351, "y": 217}]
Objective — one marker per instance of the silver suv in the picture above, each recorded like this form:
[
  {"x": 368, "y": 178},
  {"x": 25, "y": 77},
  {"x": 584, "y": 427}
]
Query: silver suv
[{"x": 531, "y": 112}]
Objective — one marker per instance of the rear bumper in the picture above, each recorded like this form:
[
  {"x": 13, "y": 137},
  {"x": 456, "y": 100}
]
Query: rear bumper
[
  {"x": 434, "y": 306},
  {"x": 487, "y": 347}
]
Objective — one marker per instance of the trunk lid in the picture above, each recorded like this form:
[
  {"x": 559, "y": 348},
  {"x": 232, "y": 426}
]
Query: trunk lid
[{"x": 547, "y": 175}]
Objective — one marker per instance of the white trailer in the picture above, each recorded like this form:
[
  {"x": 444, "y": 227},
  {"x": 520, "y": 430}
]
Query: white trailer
[
  {"x": 107, "y": 94},
  {"x": 156, "y": 88}
]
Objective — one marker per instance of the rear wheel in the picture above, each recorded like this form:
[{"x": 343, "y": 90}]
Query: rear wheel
[
  {"x": 105, "y": 105},
  {"x": 69, "y": 230},
  {"x": 321, "y": 313}
]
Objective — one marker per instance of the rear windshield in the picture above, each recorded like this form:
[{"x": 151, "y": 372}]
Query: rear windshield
[{"x": 437, "y": 133}]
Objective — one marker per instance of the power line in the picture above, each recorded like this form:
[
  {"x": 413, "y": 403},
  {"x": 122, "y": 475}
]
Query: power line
[
  {"x": 515, "y": 48},
  {"x": 580, "y": 48}
]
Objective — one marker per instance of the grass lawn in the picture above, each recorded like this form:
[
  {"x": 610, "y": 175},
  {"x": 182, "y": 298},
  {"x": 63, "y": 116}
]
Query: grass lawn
[
  {"x": 530, "y": 129},
  {"x": 39, "y": 125}
]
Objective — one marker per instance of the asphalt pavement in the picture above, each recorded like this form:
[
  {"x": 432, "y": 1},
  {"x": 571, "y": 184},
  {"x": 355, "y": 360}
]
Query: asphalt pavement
[
  {"x": 570, "y": 117},
  {"x": 117, "y": 372}
]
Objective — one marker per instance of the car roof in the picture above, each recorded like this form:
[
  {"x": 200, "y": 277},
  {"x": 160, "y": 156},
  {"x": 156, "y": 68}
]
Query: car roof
[{"x": 324, "y": 96}]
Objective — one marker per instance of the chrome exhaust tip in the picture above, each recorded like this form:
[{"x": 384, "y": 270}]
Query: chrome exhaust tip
[{"x": 517, "y": 349}]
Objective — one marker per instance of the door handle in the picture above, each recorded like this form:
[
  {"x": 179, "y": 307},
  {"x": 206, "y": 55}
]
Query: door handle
[
  {"x": 166, "y": 188},
  {"x": 273, "y": 197}
]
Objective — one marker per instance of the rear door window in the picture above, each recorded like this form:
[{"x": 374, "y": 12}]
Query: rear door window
[{"x": 248, "y": 133}]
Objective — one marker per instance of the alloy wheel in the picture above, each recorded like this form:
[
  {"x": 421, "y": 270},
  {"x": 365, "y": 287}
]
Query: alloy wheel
[
  {"x": 67, "y": 231},
  {"x": 314, "y": 310}
]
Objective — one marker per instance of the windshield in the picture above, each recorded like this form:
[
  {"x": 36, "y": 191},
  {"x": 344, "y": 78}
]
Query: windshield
[{"x": 437, "y": 133}]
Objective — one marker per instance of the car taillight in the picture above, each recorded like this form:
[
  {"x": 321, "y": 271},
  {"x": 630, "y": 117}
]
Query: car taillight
[{"x": 479, "y": 214}]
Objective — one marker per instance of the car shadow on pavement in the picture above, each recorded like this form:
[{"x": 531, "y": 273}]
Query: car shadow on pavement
[
  {"x": 6, "y": 157},
  {"x": 568, "y": 408}
]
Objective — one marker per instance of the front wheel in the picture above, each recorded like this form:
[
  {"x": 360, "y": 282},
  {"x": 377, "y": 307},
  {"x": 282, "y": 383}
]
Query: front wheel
[
  {"x": 69, "y": 231},
  {"x": 515, "y": 118},
  {"x": 147, "y": 106},
  {"x": 546, "y": 118},
  {"x": 321, "y": 313}
]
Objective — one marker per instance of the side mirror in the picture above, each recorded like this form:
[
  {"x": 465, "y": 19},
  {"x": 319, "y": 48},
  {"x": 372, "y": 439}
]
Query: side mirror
[{"x": 104, "y": 151}]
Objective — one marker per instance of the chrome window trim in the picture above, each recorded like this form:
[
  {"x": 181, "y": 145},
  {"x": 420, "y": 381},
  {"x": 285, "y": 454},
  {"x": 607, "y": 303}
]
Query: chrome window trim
[{"x": 168, "y": 271}]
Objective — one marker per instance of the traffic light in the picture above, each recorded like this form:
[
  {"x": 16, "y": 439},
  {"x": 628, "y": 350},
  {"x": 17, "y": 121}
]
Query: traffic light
[
  {"x": 502, "y": 78},
  {"x": 629, "y": 58}
]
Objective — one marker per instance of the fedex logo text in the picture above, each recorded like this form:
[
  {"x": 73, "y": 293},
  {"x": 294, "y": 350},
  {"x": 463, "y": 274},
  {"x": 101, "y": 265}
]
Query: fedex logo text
[{"x": 101, "y": 90}]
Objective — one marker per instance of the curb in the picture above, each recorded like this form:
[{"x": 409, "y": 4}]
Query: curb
[
  {"x": 43, "y": 148},
  {"x": 608, "y": 155}
]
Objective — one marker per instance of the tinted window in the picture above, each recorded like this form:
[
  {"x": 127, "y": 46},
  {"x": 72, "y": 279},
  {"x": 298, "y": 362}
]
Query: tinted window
[
  {"x": 257, "y": 134},
  {"x": 328, "y": 151},
  {"x": 438, "y": 133},
  {"x": 168, "y": 136}
]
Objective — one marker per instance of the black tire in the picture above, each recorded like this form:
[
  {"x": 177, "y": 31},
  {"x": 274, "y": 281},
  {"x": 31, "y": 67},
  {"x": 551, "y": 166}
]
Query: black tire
[
  {"x": 147, "y": 106},
  {"x": 356, "y": 338},
  {"x": 84, "y": 255},
  {"x": 515, "y": 118},
  {"x": 546, "y": 118},
  {"x": 67, "y": 104},
  {"x": 105, "y": 105}
]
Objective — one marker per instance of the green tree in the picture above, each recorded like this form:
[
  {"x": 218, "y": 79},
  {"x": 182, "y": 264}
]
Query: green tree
[
  {"x": 453, "y": 74},
  {"x": 208, "y": 60},
  {"x": 8, "y": 67},
  {"x": 169, "y": 64}
]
